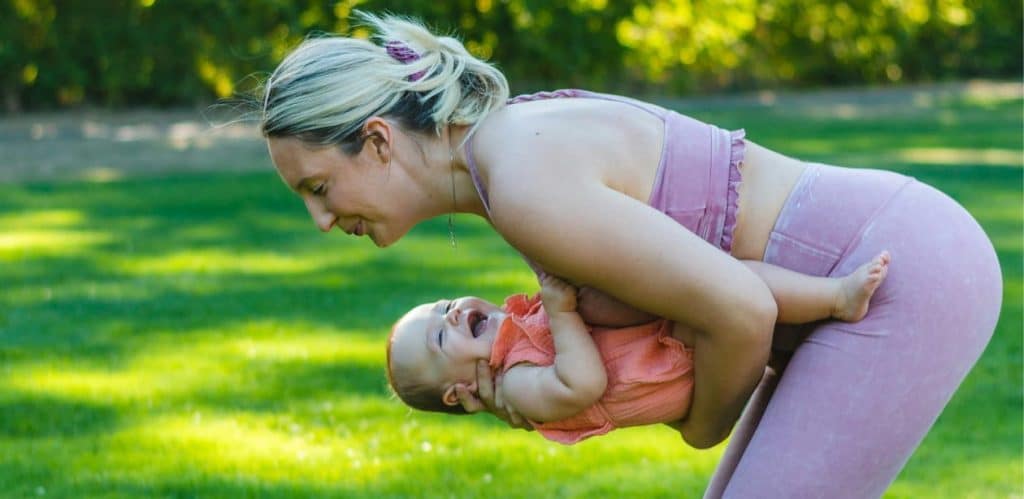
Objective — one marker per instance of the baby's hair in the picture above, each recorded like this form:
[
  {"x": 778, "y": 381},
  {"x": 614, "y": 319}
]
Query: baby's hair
[
  {"x": 411, "y": 391},
  {"x": 325, "y": 90}
]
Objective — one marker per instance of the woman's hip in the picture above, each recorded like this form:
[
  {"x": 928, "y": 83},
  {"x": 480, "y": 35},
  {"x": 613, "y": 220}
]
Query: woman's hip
[{"x": 944, "y": 275}]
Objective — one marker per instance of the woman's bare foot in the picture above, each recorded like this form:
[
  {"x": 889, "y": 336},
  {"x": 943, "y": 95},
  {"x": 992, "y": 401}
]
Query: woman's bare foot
[{"x": 856, "y": 289}]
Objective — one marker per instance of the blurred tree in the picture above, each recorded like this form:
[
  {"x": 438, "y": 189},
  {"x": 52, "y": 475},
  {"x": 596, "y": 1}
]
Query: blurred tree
[
  {"x": 26, "y": 35},
  {"x": 536, "y": 42},
  {"x": 715, "y": 44},
  {"x": 162, "y": 52},
  {"x": 702, "y": 38}
]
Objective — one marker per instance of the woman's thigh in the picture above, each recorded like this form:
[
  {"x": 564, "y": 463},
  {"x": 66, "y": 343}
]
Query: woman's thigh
[
  {"x": 855, "y": 400},
  {"x": 842, "y": 422}
]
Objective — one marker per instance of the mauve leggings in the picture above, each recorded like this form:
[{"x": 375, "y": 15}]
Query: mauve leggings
[{"x": 855, "y": 400}]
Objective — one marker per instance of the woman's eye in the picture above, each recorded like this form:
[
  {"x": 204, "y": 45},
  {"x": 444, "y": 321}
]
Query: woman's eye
[{"x": 320, "y": 189}]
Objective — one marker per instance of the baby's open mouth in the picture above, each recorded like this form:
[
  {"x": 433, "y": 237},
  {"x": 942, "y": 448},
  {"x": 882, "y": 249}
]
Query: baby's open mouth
[{"x": 477, "y": 322}]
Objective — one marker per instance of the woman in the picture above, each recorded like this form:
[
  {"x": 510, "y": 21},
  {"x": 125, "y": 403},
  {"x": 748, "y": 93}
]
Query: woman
[{"x": 641, "y": 207}]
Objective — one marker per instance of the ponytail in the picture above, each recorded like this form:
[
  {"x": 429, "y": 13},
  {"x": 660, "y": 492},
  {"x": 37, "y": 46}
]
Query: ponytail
[{"x": 325, "y": 90}]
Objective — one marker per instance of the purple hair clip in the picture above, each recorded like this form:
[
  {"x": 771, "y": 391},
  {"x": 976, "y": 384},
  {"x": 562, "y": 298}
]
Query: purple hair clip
[{"x": 403, "y": 53}]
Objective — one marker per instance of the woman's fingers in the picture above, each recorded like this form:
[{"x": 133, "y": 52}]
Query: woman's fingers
[
  {"x": 468, "y": 401},
  {"x": 507, "y": 412},
  {"x": 484, "y": 384},
  {"x": 517, "y": 421},
  {"x": 489, "y": 398},
  {"x": 499, "y": 399}
]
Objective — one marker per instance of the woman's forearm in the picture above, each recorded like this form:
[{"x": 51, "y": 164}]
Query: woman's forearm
[
  {"x": 647, "y": 261},
  {"x": 727, "y": 368}
]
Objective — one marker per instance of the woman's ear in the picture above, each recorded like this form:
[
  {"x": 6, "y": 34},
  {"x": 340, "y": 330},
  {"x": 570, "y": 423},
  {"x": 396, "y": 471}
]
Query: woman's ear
[{"x": 378, "y": 135}]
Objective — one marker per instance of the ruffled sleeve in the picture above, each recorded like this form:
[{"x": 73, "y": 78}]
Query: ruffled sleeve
[
  {"x": 523, "y": 336},
  {"x": 520, "y": 304},
  {"x": 573, "y": 435},
  {"x": 737, "y": 150}
]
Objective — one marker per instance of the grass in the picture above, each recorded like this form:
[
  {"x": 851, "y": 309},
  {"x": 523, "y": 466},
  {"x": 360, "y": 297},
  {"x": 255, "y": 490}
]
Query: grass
[{"x": 193, "y": 336}]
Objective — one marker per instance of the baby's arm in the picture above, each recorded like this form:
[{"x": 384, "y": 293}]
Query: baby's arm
[
  {"x": 802, "y": 298},
  {"x": 577, "y": 378}
]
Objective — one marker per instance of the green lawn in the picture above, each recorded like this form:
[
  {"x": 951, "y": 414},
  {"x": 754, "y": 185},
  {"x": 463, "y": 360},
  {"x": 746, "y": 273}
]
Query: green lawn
[{"x": 195, "y": 336}]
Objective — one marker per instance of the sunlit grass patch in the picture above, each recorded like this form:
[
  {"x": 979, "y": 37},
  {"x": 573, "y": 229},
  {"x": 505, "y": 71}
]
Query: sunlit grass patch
[
  {"x": 23, "y": 243},
  {"x": 961, "y": 156},
  {"x": 217, "y": 261},
  {"x": 41, "y": 218}
]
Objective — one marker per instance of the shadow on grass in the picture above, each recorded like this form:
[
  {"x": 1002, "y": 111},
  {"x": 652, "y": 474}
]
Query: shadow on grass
[
  {"x": 274, "y": 386},
  {"x": 36, "y": 416}
]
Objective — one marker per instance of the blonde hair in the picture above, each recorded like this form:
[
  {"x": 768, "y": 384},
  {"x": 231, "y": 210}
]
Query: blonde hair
[{"x": 325, "y": 90}]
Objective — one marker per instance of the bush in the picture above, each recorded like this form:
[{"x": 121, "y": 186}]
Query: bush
[{"x": 159, "y": 52}]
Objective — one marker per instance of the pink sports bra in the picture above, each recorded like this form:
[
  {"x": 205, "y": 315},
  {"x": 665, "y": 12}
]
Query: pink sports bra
[{"x": 698, "y": 174}]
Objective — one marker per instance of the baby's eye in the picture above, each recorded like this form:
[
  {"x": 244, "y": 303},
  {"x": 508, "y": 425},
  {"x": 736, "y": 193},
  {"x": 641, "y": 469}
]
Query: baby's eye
[{"x": 440, "y": 337}]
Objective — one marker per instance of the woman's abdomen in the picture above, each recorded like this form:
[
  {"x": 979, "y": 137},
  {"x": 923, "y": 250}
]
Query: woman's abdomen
[{"x": 768, "y": 178}]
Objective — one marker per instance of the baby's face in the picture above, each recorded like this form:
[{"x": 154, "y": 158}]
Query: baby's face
[{"x": 441, "y": 342}]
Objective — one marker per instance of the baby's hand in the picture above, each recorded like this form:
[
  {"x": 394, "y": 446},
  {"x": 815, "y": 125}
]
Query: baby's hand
[{"x": 557, "y": 295}]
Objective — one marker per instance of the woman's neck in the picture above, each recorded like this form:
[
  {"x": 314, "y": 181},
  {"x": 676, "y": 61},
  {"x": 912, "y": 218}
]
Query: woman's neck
[{"x": 467, "y": 198}]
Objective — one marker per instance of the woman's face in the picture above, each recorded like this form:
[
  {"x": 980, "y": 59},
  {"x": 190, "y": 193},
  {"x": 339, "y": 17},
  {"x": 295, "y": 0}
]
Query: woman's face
[{"x": 359, "y": 194}]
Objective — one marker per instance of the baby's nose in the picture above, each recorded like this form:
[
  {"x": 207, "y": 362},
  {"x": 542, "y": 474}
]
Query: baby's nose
[{"x": 453, "y": 315}]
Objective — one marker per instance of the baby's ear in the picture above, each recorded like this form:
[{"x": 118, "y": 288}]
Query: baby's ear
[{"x": 451, "y": 394}]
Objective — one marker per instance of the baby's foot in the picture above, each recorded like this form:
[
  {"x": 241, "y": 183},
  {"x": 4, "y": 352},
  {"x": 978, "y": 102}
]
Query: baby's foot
[{"x": 856, "y": 289}]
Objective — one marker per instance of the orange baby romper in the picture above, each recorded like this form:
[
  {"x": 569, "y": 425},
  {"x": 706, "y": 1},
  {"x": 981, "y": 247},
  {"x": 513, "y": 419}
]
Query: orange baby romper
[{"x": 650, "y": 373}]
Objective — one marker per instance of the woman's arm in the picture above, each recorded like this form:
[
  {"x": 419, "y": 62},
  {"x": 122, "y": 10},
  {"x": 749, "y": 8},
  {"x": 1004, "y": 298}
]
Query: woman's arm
[
  {"x": 577, "y": 227},
  {"x": 576, "y": 379}
]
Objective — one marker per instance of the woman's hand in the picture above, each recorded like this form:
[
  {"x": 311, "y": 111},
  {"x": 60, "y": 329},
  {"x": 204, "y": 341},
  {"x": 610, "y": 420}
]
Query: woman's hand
[
  {"x": 488, "y": 398},
  {"x": 557, "y": 295}
]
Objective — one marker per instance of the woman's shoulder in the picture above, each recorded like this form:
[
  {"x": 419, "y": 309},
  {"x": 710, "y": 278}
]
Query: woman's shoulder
[
  {"x": 517, "y": 143},
  {"x": 532, "y": 148},
  {"x": 525, "y": 163},
  {"x": 563, "y": 132}
]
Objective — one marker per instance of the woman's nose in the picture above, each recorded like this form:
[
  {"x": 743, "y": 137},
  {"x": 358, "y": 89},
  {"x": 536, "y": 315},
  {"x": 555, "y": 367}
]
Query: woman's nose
[{"x": 322, "y": 217}]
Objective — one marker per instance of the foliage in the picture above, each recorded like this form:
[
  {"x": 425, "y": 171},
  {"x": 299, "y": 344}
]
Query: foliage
[
  {"x": 195, "y": 336},
  {"x": 161, "y": 52}
]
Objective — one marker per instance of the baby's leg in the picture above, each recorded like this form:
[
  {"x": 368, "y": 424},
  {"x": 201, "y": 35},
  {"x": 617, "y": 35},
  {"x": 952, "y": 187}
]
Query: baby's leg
[{"x": 802, "y": 298}]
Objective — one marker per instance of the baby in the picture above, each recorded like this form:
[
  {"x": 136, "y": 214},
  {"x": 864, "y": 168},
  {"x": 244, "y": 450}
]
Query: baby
[{"x": 573, "y": 381}]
